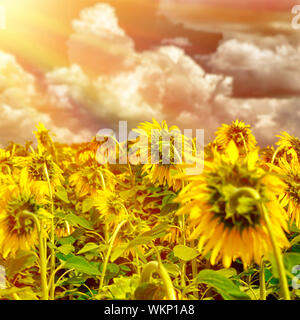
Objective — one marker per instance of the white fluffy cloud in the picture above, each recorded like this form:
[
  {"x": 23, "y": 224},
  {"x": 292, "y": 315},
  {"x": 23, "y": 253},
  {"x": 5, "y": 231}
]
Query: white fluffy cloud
[
  {"x": 163, "y": 82},
  {"x": 260, "y": 65},
  {"x": 22, "y": 107}
]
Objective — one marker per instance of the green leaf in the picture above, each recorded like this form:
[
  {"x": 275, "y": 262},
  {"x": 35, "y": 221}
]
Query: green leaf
[
  {"x": 295, "y": 240},
  {"x": 82, "y": 265},
  {"x": 138, "y": 241},
  {"x": 185, "y": 253},
  {"x": 112, "y": 270},
  {"x": 123, "y": 288},
  {"x": 225, "y": 287},
  {"x": 88, "y": 247},
  {"x": 62, "y": 194},
  {"x": 168, "y": 208},
  {"x": 227, "y": 272},
  {"x": 87, "y": 205},
  {"x": 157, "y": 232},
  {"x": 172, "y": 269},
  {"x": 146, "y": 237},
  {"x": 290, "y": 259},
  {"x": 73, "y": 280},
  {"x": 118, "y": 251},
  {"x": 66, "y": 248},
  {"x": 22, "y": 261},
  {"x": 78, "y": 221},
  {"x": 44, "y": 214},
  {"x": 66, "y": 240}
]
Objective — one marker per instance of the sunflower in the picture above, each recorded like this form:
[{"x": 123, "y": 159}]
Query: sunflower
[
  {"x": 239, "y": 133},
  {"x": 64, "y": 230},
  {"x": 163, "y": 147},
  {"x": 226, "y": 221},
  {"x": 110, "y": 207},
  {"x": 34, "y": 167},
  {"x": 289, "y": 171},
  {"x": 44, "y": 140},
  {"x": 286, "y": 143},
  {"x": 87, "y": 152},
  {"x": 5, "y": 161},
  {"x": 16, "y": 230},
  {"x": 89, "y": 179}
]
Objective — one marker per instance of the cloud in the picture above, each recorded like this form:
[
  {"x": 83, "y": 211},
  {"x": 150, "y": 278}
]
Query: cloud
[
  {"x": 177, "y": 41},
  {"x": 98, "y": 43},
  {"x": 217, "y": 16},
  {"x": 22, "y": 106},
  {"x": 109, "y": 80},
  {"x": 260, "y": 65},
  {"x": 165, "y": 83}
]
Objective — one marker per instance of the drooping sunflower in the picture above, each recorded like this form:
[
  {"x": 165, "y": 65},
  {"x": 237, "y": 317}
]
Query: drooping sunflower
[
  {"x": 223, "y": 214},
  {"x": 164, "y": 146},
  {"x": 5, "y": 161},
  {"x": 110, "y": 207},
  {"x": 45, "y": 142},
  {"x": 286, "y": 143},
  {"x": 289, "y": 172},
  {"x": 37, "y": 166},
  {"x": 18, "y": 231},
  {"x": 88, "y": 151},
  {"x": 239, "y": 133},
  {"x": 64, "y": 230},
  {"x": 89, "y": 179}
]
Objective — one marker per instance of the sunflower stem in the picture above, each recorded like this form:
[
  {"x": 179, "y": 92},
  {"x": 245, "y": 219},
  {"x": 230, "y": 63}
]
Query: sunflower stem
[
  {"x": 183, "y": 263},
  {"x": 194, "y": 269},
  {"x": 42, "y": 253},
  {"x": 244, "y": 141},
  {"x": 112, "y": 240},
  {"x": 262, "y": 281},
  {"x": 278, "y": 255},
  {"x": 52, "y": 258},
  {"x": 157, "y": 266},
  {"x": 275, "y": 154},
  {"x": 106, "y": 233},
  {"x": 102, "y": 180}
]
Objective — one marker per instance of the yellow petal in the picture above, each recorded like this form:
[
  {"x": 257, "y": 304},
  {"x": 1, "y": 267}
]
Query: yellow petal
[{"x": 232, "y": 152}]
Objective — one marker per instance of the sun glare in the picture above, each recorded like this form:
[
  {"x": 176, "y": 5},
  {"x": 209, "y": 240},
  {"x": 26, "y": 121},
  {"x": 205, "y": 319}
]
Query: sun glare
[{"x": 31, "y": 33}]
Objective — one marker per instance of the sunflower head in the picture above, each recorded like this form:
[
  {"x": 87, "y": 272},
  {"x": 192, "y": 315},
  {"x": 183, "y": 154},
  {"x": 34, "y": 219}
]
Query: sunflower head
[
  {"x": 87, "y": 152},
  {"x": 288, "y": 143},
  {"x": 289, "y": 171},
  {"x": 239, "y": 133},
  {"x": 5, "y": 161},
  {"x": 17, "y": 230},
  {"x": 39, "y": 167},
  {"x": 110, "y": 207},
  {"x": 90, "y": 179},
  {"x": 164, "y": 149},
  {"x": 44, "y": 140},
  {"x": 223, "y": 212}
]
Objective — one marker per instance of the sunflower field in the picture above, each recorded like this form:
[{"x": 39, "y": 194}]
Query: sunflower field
[{"x": 72, "y": 228}]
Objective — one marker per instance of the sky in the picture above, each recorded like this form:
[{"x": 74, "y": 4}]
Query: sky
[{"x": 81, "y": 66}]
